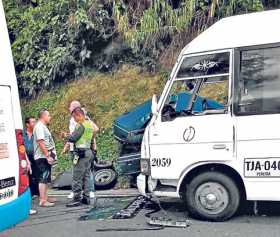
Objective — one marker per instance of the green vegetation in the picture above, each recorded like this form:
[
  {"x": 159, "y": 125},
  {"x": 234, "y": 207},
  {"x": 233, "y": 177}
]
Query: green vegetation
[
  {"x": 56, "y": 41},
  {"x": 166, "y": 19},
  {"x": 53, "y": 41},
  {"x": 104, "y": 96}
]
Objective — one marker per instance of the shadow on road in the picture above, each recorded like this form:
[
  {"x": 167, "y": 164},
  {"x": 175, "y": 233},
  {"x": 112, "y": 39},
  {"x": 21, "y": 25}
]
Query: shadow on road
[{"x": 247, "y": 208}]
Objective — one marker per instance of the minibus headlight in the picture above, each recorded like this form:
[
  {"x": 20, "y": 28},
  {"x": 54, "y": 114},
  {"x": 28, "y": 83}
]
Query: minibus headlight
[{"x": 145, "y": 166}]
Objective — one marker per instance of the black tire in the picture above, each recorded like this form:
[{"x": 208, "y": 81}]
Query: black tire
[
  {"x": 102, "y": 165},
  {"x": 105, "y": 178},
  {"x": 216, "y": 204}
]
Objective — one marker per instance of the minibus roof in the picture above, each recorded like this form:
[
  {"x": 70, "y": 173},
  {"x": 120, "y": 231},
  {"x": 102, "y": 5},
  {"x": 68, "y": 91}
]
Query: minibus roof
[{"x": 238, "y": 31}]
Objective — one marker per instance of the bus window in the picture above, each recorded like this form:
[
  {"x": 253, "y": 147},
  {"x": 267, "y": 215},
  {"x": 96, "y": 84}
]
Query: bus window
[{"x": 259, "y": 83}]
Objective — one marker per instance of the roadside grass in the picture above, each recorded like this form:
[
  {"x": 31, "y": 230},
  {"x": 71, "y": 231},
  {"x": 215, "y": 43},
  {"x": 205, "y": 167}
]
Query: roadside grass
[{"x": 105, "y": 97}]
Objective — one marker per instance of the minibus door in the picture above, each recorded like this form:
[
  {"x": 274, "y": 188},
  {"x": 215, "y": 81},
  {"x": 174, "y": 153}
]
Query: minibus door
[
  {"x": 207, "y": 134},
  {"x": 257, "y": 110}
]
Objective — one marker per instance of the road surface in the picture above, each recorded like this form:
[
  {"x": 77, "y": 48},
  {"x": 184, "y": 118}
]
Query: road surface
[{"x": 61, "y": 221}]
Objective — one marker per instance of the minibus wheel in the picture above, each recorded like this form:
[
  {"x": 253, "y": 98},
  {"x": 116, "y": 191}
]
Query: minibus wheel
[{"x": 212, "y": 196}]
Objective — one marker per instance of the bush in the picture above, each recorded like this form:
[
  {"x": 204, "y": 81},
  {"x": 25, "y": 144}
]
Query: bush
[
  {"x": 59, "y": 40},
  {"x": 104, "y": 96},
  {"x": 53, "y": 41}
]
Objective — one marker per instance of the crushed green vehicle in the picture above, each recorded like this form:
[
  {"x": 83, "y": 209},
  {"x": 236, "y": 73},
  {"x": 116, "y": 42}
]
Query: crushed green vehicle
[{"x": 129, "y": 128}]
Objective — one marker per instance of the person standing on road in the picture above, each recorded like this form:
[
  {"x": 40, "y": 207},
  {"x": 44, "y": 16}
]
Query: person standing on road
[
  {"x": 33, "y": 170},
  {"x": 44, "y": 156},
  {"x": 28, "y": 139},
  {"x": 72, "y": 124},
  {"x": 82, "y": 137}
]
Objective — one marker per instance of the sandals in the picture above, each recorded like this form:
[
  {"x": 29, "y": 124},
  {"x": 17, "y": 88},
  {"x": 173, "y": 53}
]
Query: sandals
[
  {"x": 51, "y": 199},
  {"x": 46, "y": 204}
]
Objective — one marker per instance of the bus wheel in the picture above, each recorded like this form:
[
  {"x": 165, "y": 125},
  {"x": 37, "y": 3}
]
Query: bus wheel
[{"x": 212, "y": 196}]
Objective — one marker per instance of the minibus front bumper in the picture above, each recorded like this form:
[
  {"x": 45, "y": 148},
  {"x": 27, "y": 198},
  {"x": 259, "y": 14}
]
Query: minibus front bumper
[{"x": 15, "y": 211}]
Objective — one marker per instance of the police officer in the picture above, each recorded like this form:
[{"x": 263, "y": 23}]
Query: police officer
[
  {"x": 72, "y": 124},
  {"x": 82, "y": 137}
]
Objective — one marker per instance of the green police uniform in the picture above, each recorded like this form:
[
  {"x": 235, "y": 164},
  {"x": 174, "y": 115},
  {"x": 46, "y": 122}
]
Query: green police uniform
[{"x": 82, "y": 139}]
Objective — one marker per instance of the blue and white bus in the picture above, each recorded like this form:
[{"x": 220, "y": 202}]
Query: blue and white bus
[{"x": 15, "y": 199}]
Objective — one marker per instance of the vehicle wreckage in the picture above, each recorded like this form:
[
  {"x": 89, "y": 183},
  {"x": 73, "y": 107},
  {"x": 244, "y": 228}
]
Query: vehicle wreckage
[{"x": 129, "y": 128}]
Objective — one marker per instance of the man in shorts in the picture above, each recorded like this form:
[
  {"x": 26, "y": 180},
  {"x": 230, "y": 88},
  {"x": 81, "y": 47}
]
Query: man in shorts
[{"x": 44, "y": 156}]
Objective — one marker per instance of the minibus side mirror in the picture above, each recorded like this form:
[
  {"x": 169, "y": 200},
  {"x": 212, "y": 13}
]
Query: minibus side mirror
[{"x": 154, "y": 105}]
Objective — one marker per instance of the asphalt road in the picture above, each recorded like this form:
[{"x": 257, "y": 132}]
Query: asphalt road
[{"x": 60, "y": 221}]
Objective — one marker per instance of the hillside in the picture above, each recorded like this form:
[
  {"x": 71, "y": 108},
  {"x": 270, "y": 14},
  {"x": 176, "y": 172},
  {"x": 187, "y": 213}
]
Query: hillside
[
  {"x": 57, "y": 41},
  {"x": 104, "y": 96}
]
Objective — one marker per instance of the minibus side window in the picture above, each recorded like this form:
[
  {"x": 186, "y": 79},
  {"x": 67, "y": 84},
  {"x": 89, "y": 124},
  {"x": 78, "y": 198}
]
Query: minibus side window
[{"x": 258, "y": 89}]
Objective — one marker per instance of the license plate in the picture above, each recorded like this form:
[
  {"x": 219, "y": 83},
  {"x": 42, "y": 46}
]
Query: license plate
[
  {"x": 260, "y": 168},
  {"x": 8, "y": 182}
]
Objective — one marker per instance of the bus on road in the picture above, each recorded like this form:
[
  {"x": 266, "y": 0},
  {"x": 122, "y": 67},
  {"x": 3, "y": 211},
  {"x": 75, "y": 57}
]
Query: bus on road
[
  {"x": 216, "y": 155},
  {"x": 15, "y": 198}
]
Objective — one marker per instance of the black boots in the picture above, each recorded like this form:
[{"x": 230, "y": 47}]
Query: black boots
[
  {"x": 75, "y": 202},
  {"x": 85, "y": 200}
]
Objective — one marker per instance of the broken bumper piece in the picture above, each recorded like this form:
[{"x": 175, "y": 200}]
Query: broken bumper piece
[{"x": 162, "y": 221}]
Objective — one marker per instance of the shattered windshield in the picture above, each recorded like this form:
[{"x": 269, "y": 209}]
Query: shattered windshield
[
  {"x": 204, "y": 65},
  {"x": 202, "y": 84}
]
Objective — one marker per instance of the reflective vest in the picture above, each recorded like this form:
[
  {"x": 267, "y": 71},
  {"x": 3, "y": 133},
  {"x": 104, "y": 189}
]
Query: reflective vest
[{"x": 85, "y": 140}]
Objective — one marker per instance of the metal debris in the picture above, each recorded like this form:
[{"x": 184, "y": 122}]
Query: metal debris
[
  {"x": 130, "y": 229},
  {"x": 132, "y": 209},
  {"x": 167, "y": 222}
]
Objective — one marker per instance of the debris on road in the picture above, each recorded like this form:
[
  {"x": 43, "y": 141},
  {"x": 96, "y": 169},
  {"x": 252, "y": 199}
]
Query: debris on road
[
  {"x": 64, "y": 180},
  {"x": 127, "y": 208},
  {"x": 105, "y": 177},
  {"x": 130, "y": 229},
  {"x": 132, "y": 209},
  {"x": 167, "y": 222},
  {"x": 106, "y": 208}
]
